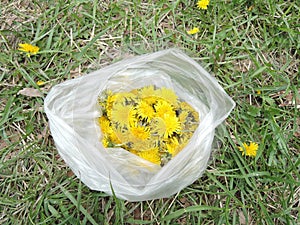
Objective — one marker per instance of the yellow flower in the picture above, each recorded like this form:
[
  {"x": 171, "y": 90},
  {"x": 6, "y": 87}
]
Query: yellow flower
[
  {"x": 172, "y": 148},
  {"x": 40, "y": 83},
  {"x": 202, "y": 4},
  {"x": 105, "y": 141},
  {"x": 162, "y": 107},
  {"x": 172, "y": 125},
  {"x": 249, "y": 150},
  {"x": 104, "y": 125},
  {"x": 121, "y": 114},
  {"x": 195, "y": 30},
  {"x": 145, "y": 111},
  {"x": 133, "y": 120},
  {"x": 151, "y": 155},
  {"x": 158, "y": 126},
  {"x": 29, "y": 49},
  {"x": 114, "y": 138},
  {"x": 140, "y": 132},
  {"x": 147, "y": 91},
  {"x": 167, "y": 95}
]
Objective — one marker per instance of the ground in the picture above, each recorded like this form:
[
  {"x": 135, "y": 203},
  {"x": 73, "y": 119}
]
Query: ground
[{"x": 250, "y": 47}]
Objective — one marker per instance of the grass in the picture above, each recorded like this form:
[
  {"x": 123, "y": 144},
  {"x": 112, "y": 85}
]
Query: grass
[{"x": 251, "y": 47}]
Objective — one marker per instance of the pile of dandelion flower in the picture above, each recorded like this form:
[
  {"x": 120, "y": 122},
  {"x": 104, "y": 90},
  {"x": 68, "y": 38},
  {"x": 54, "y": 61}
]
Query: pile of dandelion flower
[{"x": 150, "y": 122}]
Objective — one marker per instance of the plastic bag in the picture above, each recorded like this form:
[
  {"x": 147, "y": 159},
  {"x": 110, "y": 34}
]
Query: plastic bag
[{"x": 73, "y": 111}]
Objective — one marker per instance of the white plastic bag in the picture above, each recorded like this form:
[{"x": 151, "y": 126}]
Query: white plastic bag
[{"x": 73, "y": 111}]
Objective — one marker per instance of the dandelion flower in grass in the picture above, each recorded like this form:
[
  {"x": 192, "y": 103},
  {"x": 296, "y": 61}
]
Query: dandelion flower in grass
[
  {"x": 40, "y": 83},
  {"x": 195, "y": 30},
  {"x": 29, "y": 49},
  {"x": 202, "y": 4},
  {"x": 249, "y": 150}
]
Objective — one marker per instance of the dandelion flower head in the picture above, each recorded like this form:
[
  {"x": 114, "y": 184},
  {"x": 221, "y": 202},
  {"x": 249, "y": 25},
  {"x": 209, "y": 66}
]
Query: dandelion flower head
[
  {"x": 195, "y": 30},
  {"x": 162, "y": 108},
  {"x": 202, "y": 4},
  {"x": 172, "y": 125},
  {"x": 40, "y": 83},
  {"x": 145, "y": 110},
  {"x": 151, "y": 155},
  {"x": 249, "y": 150},
  {"x": 140, "y": 132},
  {"x": 29, "y": 49}
]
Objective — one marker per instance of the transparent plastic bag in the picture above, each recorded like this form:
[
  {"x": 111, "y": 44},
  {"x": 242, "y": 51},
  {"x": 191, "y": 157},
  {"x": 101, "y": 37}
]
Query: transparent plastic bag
[{"x": 73, "y": 111}]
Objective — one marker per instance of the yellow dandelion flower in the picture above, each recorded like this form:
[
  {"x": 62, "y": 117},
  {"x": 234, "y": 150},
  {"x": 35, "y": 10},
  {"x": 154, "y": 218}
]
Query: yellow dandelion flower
[
  {"x": 121, "y": 136},
  {"x": 172, "y": 125},
  {"x": 202, "y": 4},
  {"x": 145, "y": 111},
  {"x": 125, "y": 98},
  {"x": 151, "y": 100},
  {"x": 114, "y": 138},
  {"x": 158, "y": 127},
  {"x": 167, "y": 95},
  {"x": 111, "y": 98},
  {"x": 162, "y": 107},
  {"x": 29, "y": 49},
  {"x": 140, "y": 132},
  {"x": 105, "y": 141},
  {"x": 121, "y": 114},
  {"x": 195, "y": 30},
  {"x": 147, "y": 91},
  {"x": 104, "y": 125},
  {"x": 249, "y": 150},
  {"x": 40, "y": 83},
  {"x": 172, "y": 148},
  {"x": 133, "y": 120},
  {"x": 151, "y": 155}
]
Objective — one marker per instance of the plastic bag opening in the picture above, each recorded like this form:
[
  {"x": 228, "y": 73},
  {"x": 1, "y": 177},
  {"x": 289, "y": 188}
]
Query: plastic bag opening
[{"x": 72, "y": 111}]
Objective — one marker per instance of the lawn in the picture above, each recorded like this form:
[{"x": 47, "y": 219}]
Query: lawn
[{"x": 251, "y": 47}]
